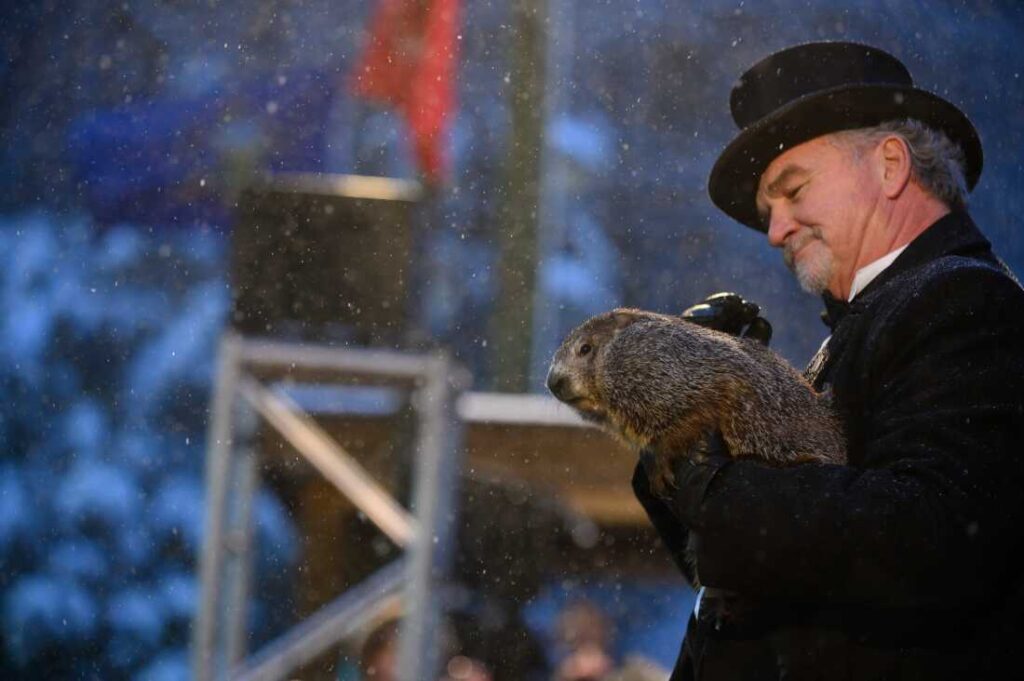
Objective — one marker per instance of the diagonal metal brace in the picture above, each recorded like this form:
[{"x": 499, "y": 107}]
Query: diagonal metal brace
[
  {"x": 331, "y": 459},
  {"x": 351, "y": 611}
]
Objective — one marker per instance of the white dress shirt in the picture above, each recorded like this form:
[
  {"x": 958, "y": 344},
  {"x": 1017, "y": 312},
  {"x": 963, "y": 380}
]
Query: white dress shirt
[{"x": 866, "y": 274}]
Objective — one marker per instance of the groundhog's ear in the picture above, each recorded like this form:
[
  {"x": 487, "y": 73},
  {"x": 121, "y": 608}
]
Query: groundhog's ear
[{"x": 623, "y": 318}]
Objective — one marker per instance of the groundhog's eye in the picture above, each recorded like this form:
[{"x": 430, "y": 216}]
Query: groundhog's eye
[{"x": 585, "y": 349}]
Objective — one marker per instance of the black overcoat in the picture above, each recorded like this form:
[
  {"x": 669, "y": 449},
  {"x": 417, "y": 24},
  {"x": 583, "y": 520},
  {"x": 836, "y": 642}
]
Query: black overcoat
[{"x": 907, "y": 563}]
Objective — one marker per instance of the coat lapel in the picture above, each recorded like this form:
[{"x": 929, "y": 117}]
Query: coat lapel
[{"x": 953, "y": 234}]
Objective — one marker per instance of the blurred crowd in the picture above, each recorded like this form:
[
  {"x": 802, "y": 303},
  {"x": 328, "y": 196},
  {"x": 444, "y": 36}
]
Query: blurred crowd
[{"x": 585, "y": 638}]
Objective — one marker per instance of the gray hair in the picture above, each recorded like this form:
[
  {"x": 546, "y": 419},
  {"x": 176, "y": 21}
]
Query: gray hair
[{"x": 937, "y": 164}]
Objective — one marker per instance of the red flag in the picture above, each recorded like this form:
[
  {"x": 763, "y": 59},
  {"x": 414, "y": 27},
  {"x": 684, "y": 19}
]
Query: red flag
[{"x": 409, "y": 62}]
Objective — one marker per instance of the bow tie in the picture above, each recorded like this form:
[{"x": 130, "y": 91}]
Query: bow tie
[{"x": 834, "y": 311}]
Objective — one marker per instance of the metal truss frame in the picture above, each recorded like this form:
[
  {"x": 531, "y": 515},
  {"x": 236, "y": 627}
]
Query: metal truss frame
[{"x": 244, "y": 392}]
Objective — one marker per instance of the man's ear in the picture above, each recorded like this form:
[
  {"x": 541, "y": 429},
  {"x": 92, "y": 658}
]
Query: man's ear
[{"x": 894, "y": 165}]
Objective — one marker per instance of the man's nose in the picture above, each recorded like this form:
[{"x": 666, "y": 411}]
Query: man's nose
[{"x": 780, "y": 225}]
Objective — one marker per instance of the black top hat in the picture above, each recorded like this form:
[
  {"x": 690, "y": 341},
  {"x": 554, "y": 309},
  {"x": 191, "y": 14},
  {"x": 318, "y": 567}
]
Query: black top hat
[{"x": 810, "y": 90}]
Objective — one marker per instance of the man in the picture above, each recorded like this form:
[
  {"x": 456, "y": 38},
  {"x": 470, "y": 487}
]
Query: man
[
  {"x": 907, "y": 562},
  {"x": 584, "y": 634}
]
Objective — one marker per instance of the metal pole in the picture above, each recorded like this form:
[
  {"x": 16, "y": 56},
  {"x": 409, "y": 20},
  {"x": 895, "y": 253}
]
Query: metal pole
[
  {"x": 237, "y": 567},
  {"x": 287, "y": 357},
  {"x": 553, "y": 211},
  {"x": 517, "y": 219},
  {"x": 437, "y": 462},
  {"x": 205, "y": 658}
]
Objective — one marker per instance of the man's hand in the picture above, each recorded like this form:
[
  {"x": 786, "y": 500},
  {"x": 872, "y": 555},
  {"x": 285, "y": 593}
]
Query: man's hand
[
  {"x": 675, "y": 515},
  {"x": 730, "y": 313},
  {"x": 691, "y": 474}
]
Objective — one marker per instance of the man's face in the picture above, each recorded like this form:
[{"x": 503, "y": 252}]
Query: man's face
[{"x": 816, "y": 200}]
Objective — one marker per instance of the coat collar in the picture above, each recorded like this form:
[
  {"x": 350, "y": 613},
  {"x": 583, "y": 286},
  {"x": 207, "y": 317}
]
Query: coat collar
[{"x": 953, "y": 234}]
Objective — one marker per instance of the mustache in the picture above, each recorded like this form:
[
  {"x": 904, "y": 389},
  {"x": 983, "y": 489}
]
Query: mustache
[{"x": 796, "y": 242}]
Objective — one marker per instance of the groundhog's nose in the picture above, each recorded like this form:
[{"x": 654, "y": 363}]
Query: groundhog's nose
[{"x": 558, "y": 384}]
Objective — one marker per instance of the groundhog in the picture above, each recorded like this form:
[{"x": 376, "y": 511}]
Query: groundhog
[{"x": 665, "y": 384}]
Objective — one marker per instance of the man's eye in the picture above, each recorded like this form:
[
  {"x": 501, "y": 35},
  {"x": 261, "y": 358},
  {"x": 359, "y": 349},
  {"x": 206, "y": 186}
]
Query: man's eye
[{"x": 793, "y": 193}]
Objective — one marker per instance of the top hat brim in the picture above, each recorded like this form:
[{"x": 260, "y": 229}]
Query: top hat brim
[{"x": 734, "y": 179}]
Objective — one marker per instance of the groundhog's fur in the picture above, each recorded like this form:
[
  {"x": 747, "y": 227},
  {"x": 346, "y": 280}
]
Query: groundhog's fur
[{"x": 665, "y": 384}]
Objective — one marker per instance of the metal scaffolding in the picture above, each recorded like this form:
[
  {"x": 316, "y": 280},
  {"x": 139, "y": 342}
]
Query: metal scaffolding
[{"x": 245, "y": 391}]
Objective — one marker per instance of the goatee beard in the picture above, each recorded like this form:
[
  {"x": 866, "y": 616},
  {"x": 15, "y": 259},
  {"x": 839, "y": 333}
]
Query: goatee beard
[
  {"x": 814, "y": 280},
  {"x": 815, "y": 268}
]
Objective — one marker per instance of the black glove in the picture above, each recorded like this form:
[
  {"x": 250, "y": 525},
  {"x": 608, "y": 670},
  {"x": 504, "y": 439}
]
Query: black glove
[
  {"x": 692, "y": 478},
  {"x": 675, "y": 514},
  {"x": 674, "y": 535},
  {"x": 730, "y": 313}
]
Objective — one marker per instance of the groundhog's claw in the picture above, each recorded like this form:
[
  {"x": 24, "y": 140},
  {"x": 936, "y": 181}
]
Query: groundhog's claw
[{"x": 663, "y": 479}]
